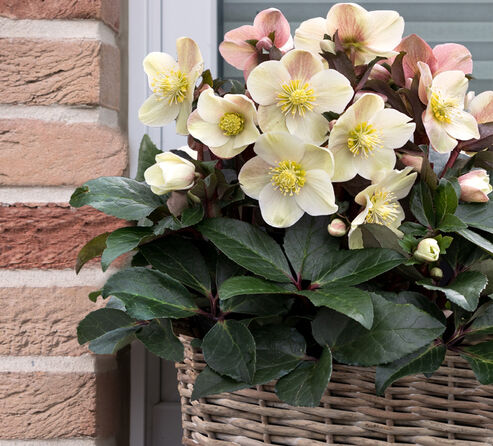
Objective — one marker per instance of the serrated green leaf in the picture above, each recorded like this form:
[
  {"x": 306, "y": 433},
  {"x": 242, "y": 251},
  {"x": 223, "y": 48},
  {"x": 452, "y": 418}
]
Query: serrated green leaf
[
  {"x": 328, "y": 325},
  {"x": 180, "y": 259},
  {"x": 189, "y": 217},
  {"x": 229, "y": 349},
  {"x": 422, "y": 204},
  {"x": 244, "y": 285},
  {"x": 480, "y": 358},
  {"x": 477, "y": 215},
  {"x": 159, "y": 339},
  {"x": 122, "y": 241},
  {"x": 451, "y": 223},
  {"x": 463, "y": 291},
  {"x": 306, "y": 384},
  {"x": 477, "y": 239},
  {"x": 352, "y": 302},
  {"x": 398, "y": 329},
  {"x": 426, "y": 360},
  {"x": 117, "y": 196},
  {"x": 147, "y": 156},
  {"x": 93, "y": 248},
  {"x": 261, "y": 305},
  {"x": 149, "y": 294},
  {"x": 483, "y": 323},
  {"x": 211, "y": 383},
  {"x": 248, "y": 246},
  {"x": 446, "y": 200}
]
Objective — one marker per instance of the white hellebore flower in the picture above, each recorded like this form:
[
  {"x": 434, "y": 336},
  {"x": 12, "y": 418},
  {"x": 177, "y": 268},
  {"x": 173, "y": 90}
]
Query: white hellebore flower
[
  {"x": 381, "y": 205},
  {"x": 289, "y": 177},
  {"x": 294, "y": 92},
  {"x": 227, "y": 125},
  {"x": 171, "y": 172},
  {"x": 364, "y": 138},
  {"x": 173, "y": 84},
  {"x": 363, "y": 34},
  {"x": 445, "y": 120},
  {"x": 428, "y": 250}
]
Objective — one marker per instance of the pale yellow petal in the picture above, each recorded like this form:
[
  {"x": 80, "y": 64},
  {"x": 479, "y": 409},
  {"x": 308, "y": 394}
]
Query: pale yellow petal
[
  {"x": 312, "y": 127},
  {"x": 189, "y": 56},
  {"x": 275, "y": 147},
  {"x": 462, "y": 126},
  {"x": 265, "y": 80},
  {"x": 271, "y": 119},
  {"x": 344, "y": 166},
  {"x": 278, "y": 210},
  {"x": 395, "y": 128},
  {"x": 207, "y": 132},
  {"x": 378, "y": 160},
  {"x": 156, "y": 113},
  {"x": 254, "y": 176},
  {"x": 439, "y": 138},
  {"x": 386, "y": 28},
  {"x": 451, "y": 83},
  {"x": 156, "y": 63},
  {"x": 317, "y": 158},
  {"x": 212, "y": 107},
  {"x": 309, "y": 34},
  {"x": 181, "y": 119},
  {"x": 317, "y": 197},
  {"x": 332, "y": 91},
  {"x": 302, "y": 65}
]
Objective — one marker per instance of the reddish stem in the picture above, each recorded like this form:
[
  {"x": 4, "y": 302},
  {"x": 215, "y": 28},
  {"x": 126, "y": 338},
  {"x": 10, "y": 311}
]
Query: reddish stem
[{"x": 451, "y": 161}]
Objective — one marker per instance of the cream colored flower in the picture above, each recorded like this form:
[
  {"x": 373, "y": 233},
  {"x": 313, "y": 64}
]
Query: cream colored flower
[
  {"x": 294, "y": 92},
  {"x": 173, "y": 84},
  {"x": 171, "y": 172},
  {"x": 365, "y": 136},
  {"x": 445, "y": 120},
  {"x": 381, "y": 205},
  {"x": 475, "y": 186},
  {"x": 289, "y": 177},
  {"x": 364, "y": 35},
  {"x": 227, "y": 125},
  {"x": 428, "y": 250},
  {"x": 481, "y": 106}
]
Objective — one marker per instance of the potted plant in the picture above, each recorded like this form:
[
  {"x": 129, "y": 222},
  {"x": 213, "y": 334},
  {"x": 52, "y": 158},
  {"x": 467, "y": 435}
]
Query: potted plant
[{"x": 327, "y": 232}]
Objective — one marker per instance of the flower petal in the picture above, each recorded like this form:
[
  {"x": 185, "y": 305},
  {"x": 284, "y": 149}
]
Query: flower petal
[
  {"x": 243, "y": 105},
  {"x": 228, "y": 150},
  {"x": 355, "y": 238},
  {"x": 302, "y": 65},
  {"x": 271, "y": 119},
  {"x": 211, "y": 107},
  {"x": 417, "y": 50},
  {"x": 481, "y": 107},
  {"x": 439, "y": 138},
  {"x": 156, "y": 113},
  {"x": 248, "y": 136},
  {"x": 272, "y": 20},
  {"x": 386, "y": 28},
  {"x": 380, "y": 160},
  {"x": 454, "y": 83},
  {"x": 312, "y": 127},
  {"x": 278, "y": 210},
  {"x": 309, "y": 34},
  {"x": 395, "y": 127},
  {"x": 425, "y": 81},
  {"x": 317, "y": 197},
  {"x": 452, "y": 56},
  {"x": 182, "y": 118},
  {"x": 350, "y": 20},
  {"x": 254, "y": 176},
  {"x": 189, "y": 56},
  {"x": 336, "y": 97},
  {"x": 399, "y": 182},
  {"x": 243, "y": 33},
  {"x": 275, "y": 147},
  {"x": 344, "y": 166},
  {"x": 207, "y": 132},
  {"x": 240, "y": 54},
  {"x": 156, "y": 63},
  {"x": 462, "y": 126},
  {"x": 318, "y": 158},
  {"x": 264, "y": 82}
]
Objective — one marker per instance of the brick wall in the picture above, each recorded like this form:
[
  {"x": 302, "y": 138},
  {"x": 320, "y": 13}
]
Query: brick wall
[{"x": 59, "y": 126}]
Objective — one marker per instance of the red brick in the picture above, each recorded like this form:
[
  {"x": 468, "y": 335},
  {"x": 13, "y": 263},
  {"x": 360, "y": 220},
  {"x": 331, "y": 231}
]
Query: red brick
[
  {"x": 74, "y": 72},
  {"x": 58, "y": 405},
  {"x": 106, "y": 10},
  {"x": 48, "y": 236},
  {"x": 39, "y": 153}
]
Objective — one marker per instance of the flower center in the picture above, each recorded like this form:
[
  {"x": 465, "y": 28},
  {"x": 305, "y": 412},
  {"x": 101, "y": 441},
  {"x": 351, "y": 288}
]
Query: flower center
[
  {"x": 288, "y": 177},
  {"x": 384, "y": 210},
  {"x": 296, "y": 98},
  {"x": 363, "y": 140},
  {"x": 442, "y": 108},
  {"x": 173, "y": 86},
  {"x": 232, "y": 123}
]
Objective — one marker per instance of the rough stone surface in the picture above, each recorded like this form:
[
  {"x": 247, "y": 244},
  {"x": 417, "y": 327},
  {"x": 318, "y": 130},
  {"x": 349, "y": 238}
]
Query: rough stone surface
[
  {"x": 49, "y": 405},
  {"x": 73, "y": 72},
  {"x": 106, "y": 10},
  {"x": 37, "y": 153},
  {"x": 43, "y": 321},
  {"x": 48, "y": 235}
]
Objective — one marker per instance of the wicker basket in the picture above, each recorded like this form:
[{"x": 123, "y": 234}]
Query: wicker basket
[{"x": 450, "y": 408}]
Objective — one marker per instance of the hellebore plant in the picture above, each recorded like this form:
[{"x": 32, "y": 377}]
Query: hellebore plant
[{"x": 310, "y": 207}]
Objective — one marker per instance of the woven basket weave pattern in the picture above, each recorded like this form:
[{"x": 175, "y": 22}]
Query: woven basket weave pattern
[{"x": 450, "y": 408}]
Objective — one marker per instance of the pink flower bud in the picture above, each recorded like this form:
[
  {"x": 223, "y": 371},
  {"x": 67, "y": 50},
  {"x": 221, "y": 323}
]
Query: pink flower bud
[
  {"x": 337, "y": 228},
  {"x": 415, "y": 162},
  {"x": 475, "y": 186}
]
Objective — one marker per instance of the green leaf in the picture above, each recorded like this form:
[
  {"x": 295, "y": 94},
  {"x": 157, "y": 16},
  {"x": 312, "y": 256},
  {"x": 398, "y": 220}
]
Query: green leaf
[
  {"x": 189, "y": 217},
  {"x": 159, "y": 339},
  {"x": 446, "y": 200},
  {"x": 328, "y": 325},
  {"x": 398, "y": 329},
  {"x": 211, "y": 383},
  {"x": 351, "y": 267},
  {"x": 422, "y": 204},
  {"x": 308, "y": 242},
  {"x": 451, "y": 223},
  {"x": 181, "y": 259},
  {"x": 147, "y": 156},
  {"x": 480, "y": 358},
  {"x": 477, "y": 239},
  {"x": 262, "y": 305},
  {"x": 418, "y": 300},
  {"x": 279, "y": 350},
  {"x": 352, "y": 302},
  {"x": 464, "y": 291},
  {"x": 229, "y": 349},
  {"x": 248, "y": 246},
  {"x": 117, "y": 196},
  {"x": 244, "y": 285},
  {"x": 107, "y": 329},
  {"x": 477, "y": 215},
  {"x": 93, "y": 248},
  {"x": 483, "y": 323},
  {"x": 122, "y": 241},
  {"x": 306, "y": 384},
  {"x": 426, "y": 360},
  {"x": 149, "y": 294}
]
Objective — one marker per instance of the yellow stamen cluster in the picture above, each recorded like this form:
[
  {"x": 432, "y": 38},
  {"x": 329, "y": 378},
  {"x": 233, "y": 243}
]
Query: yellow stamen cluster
[
  {"x": 296, "y": 98},
  {"x": 232, "y": 124},
  {"x": 172, "y": 87},
  {"x": 363, "y": 140},
  {"x": 288, "y": 177},
  {"x": 384, "y": 209},
  {"x": 442, "y": 108}
]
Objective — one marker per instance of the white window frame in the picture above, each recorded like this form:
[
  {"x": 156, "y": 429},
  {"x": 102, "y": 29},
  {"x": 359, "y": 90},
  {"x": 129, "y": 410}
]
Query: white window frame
[{"x": 154, "y": 25}]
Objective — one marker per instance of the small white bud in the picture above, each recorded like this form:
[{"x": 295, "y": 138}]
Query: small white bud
[
  {"x": 337, "y": 228},
  {"x": 428, "y": 250},
  {"x": 436, "y": 273}
]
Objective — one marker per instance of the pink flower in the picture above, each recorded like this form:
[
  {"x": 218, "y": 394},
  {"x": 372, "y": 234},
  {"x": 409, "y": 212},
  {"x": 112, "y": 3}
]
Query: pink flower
[
  {"x": 475, "y": 186},
  {"x": 243, "y": 46},
  {"x": 481, "y": 106}
]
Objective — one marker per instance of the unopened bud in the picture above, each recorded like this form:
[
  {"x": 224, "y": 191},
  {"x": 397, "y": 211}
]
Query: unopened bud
[
  {"x": 428, "y": 250},
  {"x": 475, "y": 186},
  {"x": 436, "y": 273},
  {"x": 337, "y": 228}
]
